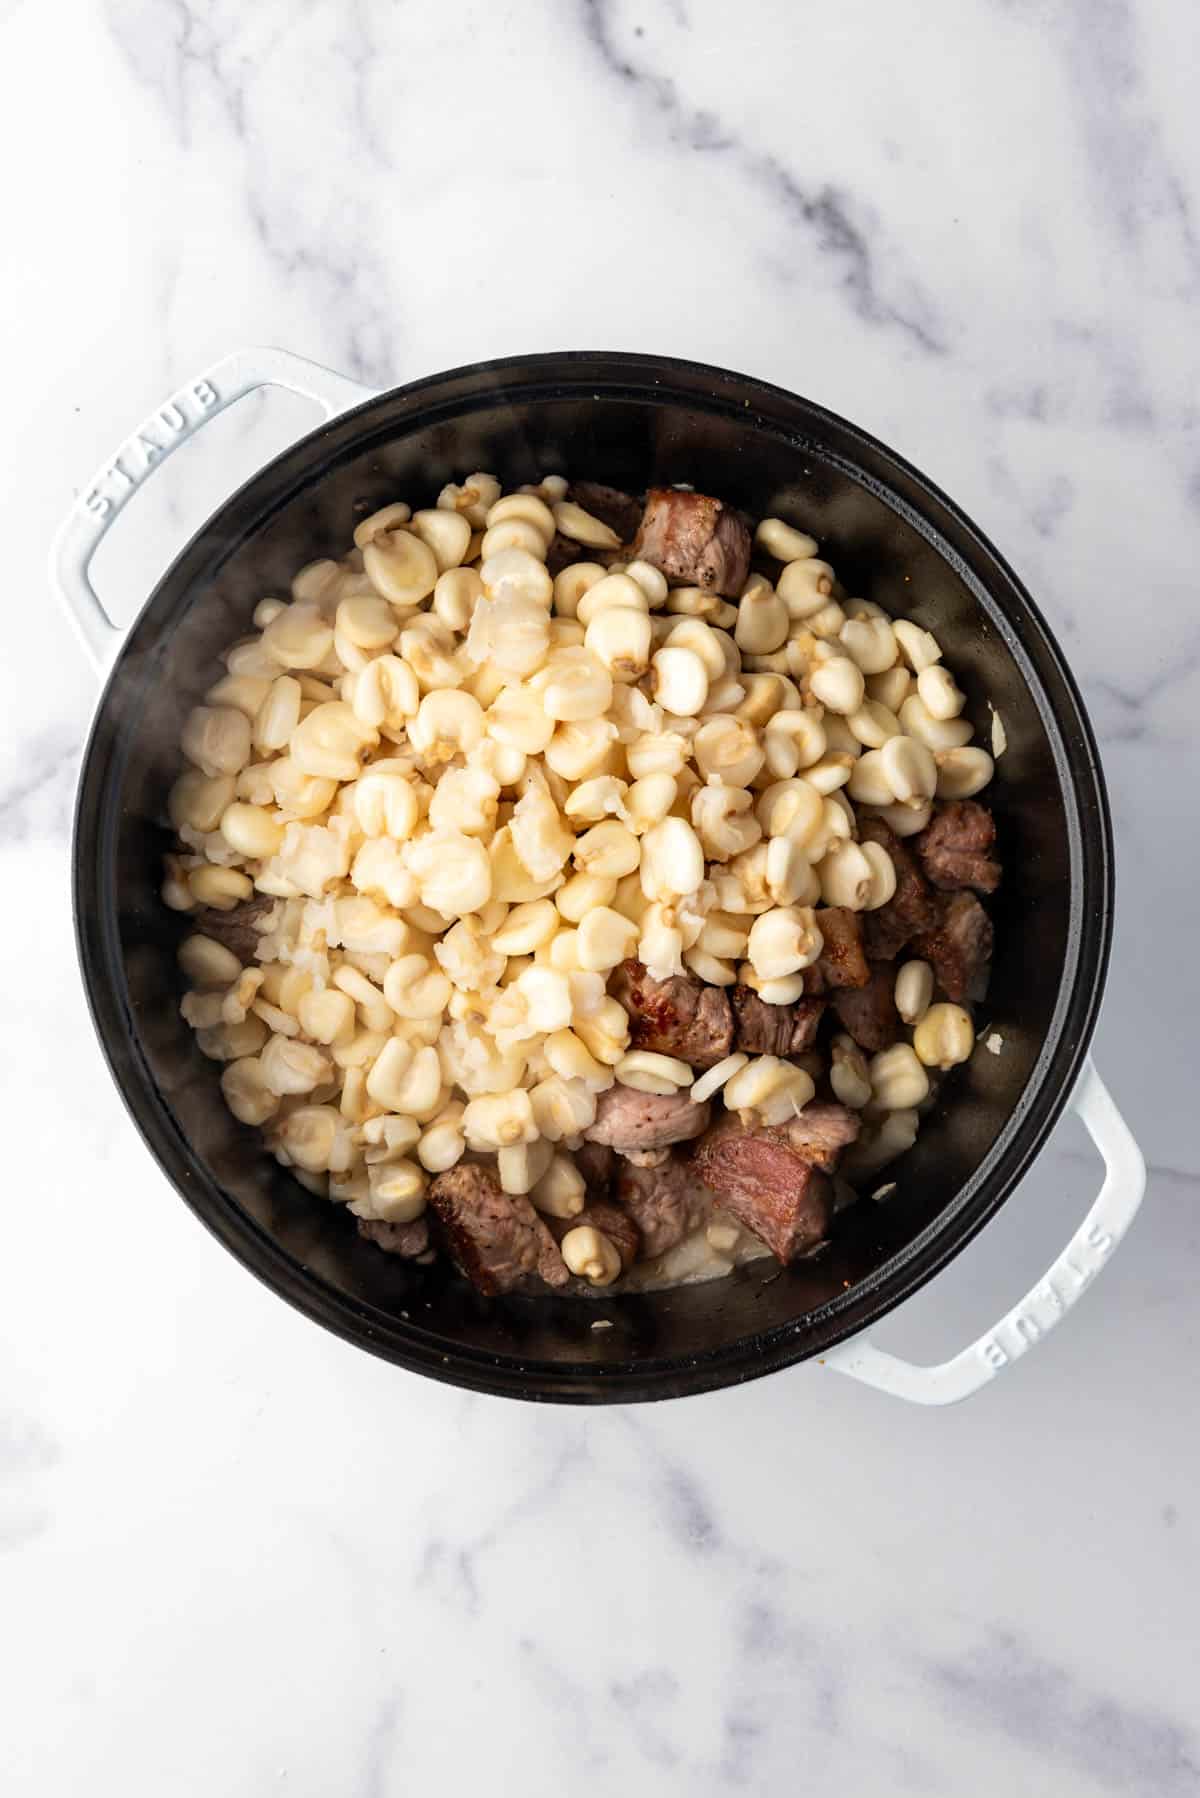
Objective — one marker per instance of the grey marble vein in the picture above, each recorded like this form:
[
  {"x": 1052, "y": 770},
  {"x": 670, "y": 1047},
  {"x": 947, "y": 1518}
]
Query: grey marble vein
[
  {"x": 567, "y": 1702},
  {"x": 452, "y": 1566},
  {"x": 1003, "y": 1683},
  {"x": 192, "y": 56},
  {"x": 381, "y": 1748},
  {"x": 648, "y": 1700},
  {"x": 27, "y": 1452},
  {"x": 1132, "y": 703},
  {"x": 829, "y": 219},
  {"x": 179, "y": 48},
  {"x": 37, "y": 799},
  {"x": 1137, "y": 189},
  {"x": 345, "y": 280}
]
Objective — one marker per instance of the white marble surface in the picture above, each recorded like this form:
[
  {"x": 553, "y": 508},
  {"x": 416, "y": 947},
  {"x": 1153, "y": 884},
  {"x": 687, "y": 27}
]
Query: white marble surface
[{"x": 240, "y": 1557}]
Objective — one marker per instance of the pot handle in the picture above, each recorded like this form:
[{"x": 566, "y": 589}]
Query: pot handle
[
  {"x": 1047, "y": 1302},
  {"x": 187, "y": 411}
]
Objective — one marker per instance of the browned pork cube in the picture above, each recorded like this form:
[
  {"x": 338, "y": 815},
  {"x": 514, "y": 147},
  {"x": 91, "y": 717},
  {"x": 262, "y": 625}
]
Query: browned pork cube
[
  {"x": 408, "y": 1240},
  {"x": 768, "y": 1187},
  {"x": 666, "y": 1202},
  {"x": 912, "y": 907},
  {"x": 633, "y": 1122},
  {"x": 619, "y": 511},
  {"x": 759, "y": 1028},
  {"x": 821, "y": 1131},
  {"x": 595, "y": 1161},
  {"x": 959, "y": 947},
  {"x": 495, "y": 1238},
  {"x": 841, "y": 961},
  {"x": 805, "y": 1024},
  {"x": 955, "y": 847},
  {"x": 240, "y": 928},
  {"x": 563, "y": 552},
  {"x": 695, "y": 539},
  {"x": 868, "y": 1013},
  {"x": 680, "y": 1016},
  {"x": 611, "y": 1221}
]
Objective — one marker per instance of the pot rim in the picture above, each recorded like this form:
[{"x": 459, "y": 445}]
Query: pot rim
[{"x": 1051, "y": 1081}]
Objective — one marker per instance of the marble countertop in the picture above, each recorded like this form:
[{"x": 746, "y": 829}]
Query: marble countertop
[{"x": 241, "y": 1557}]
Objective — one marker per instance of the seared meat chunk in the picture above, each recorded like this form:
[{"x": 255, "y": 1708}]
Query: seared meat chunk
[
  {"x": 619, "y": 511},
  {"x": 869, "y": 1012},
  {"x": 911, "y": 909},
  {"x": 562, "y": 551},
  {"x": 694, "y": 539},
  {"x": 841, "y": 961},
  {"x": 767, "y": 1185},
  {"x": 959, "y": 946},
  {"x": 759, "y": 1028},
  {"x": 666, "y": 1202},
  {"x": 240, "y": 928},
  {"x": 955, "y": 847},
  {"x": 806, "y": 1021},
  {"x": 626, "y": 1119},
  {"x": 762, "y": 1029},
  {"x": 595, "y": 1161},
  {"x": 820, "y": 1132},
  {"x": 680, "y": 1016},
  {"x": 496, "y": 1238},
  {"x": 611, "y": 1221},
  {"x": 408, "y": 1240}
]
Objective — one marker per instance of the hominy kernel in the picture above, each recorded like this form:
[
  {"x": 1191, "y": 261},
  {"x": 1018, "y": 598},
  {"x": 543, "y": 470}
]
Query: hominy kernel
[{"x": 944, "y": 1037}]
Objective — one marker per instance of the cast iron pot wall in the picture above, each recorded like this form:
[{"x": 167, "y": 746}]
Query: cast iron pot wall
[{"x": 628, "y": 420}]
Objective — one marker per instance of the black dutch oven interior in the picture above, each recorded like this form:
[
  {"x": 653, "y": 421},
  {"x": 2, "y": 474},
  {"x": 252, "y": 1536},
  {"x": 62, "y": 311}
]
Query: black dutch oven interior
[{"x": 629, "y": 421}]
